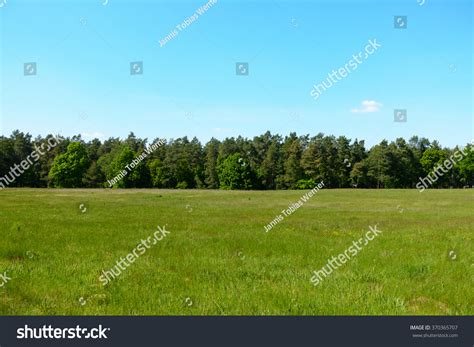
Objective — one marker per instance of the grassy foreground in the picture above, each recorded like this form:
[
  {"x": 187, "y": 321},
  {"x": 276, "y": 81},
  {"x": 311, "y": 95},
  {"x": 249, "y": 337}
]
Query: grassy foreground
[{"x": 218, "y": 260}]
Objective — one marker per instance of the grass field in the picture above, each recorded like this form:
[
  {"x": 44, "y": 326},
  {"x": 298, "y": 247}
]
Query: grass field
[{"x": 218, "y": 260}]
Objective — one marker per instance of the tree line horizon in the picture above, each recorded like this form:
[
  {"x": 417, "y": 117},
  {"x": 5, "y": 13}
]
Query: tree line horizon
[{"x": 265, "y": 162}]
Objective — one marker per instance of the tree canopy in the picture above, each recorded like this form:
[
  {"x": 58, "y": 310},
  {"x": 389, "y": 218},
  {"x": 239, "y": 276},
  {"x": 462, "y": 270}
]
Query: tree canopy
[{"x": 267, "y": 161}]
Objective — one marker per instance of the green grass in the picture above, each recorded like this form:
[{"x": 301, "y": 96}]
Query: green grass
[{"x": 219, "y": 261}]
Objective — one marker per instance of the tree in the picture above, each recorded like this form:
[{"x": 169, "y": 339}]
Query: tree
[
  {"x": 292, "y": 152},
  {"x": 378, "y": 165},
  {"x": 136, "y": 175},
  {"x": 68, "y": 168},
  {"x": 235, "y": 173},
  {"x": 466, "y": 166},
  {"x": 157, "y": 173},
  {"x": 179, "y": 164},
  {"x": 431, "y": 159},
  {"x": 195, "y": 154},
  {"x": 93, "y": 177},
  {"x": 359, "y": 175},
  {"x": 48, "y": 156},
  {"x": 211, "y": 151},
  {"x": 271, "y": 166},
  {"x": 7, "y": 160},
  {"x": 263, "y": 162},
  {"x": 344, "y": 161}
]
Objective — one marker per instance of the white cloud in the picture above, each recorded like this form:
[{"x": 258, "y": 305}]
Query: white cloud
[{"x": 368, "y": 106}]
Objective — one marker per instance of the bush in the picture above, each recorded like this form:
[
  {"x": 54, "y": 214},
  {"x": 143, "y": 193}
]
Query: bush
[
  {"x": 182, "y": 185},
  {"x": 305, "y": 184}
]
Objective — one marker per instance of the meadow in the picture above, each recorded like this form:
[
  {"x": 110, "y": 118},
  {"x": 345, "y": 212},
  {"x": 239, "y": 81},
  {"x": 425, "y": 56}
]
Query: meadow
[{"x": 218, "y": 259}]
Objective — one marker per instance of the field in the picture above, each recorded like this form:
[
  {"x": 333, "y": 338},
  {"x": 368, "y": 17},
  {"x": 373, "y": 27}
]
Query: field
[{"x": 218, "y": 259}]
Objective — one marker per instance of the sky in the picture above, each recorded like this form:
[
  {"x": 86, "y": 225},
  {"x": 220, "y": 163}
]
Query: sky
[{"x": 83, "y": 50}]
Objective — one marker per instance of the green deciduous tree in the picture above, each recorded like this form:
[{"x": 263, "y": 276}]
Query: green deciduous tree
[
  {"x": 136, "y": 174},
  {"x": 235, "y": 173},
  {"x": 69, "y": 168},
  {"x": 466, "y": 166}
]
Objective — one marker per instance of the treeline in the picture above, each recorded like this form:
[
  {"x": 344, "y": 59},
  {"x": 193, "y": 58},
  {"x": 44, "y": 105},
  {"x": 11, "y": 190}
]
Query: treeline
[{"x": 264, "y": 162}]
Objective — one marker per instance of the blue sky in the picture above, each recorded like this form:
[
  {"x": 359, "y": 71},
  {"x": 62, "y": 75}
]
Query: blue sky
[{"x": 189, "y": 87}]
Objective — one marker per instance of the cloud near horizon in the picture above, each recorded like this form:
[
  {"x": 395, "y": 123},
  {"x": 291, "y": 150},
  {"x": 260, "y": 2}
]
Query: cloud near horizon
[{"x": 368, "y": 106}]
